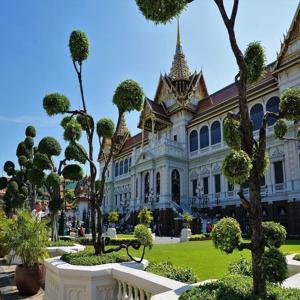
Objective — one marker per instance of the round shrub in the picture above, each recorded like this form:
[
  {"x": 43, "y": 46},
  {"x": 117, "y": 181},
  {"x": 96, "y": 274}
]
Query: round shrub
[
  {"x": 29, "y": 164},
  {"x": 105, "y": 128},
  {"x": 237, "y": 166},
  {"x": 3, "y": 183},
  {"x": 289, "y": 105},
  {"x": 22, "y": 160},
  {"x": 167, "y": 269},
  {"x": 72, "y": 131},
  {"x": 56, "y": 104},
  {"x": 20, "y": 175},
  {"x": 161, "y": 11},
  {"x": 41, "y": 161},
  {"x": 79, "y": 46},
  {"x": 143, "y": 235},
  {"x": 274, "y": 265},
  {"x": 23, "y": 150},
  {"x": 128, "y": 96},
  {"x": 242, "y": 266},
  {"x": 13, "y": 187},
  {"x": 72, "y": 172},
  {"x": 29, "y": 142},
  {"x": 231, "y": 132},
  {"x": 280, "y": 128},
  {"x": 65, "y": 120},
  {"x": 227, "y": 235},
  {"x": 73, "y": 153},
  {"x": 255, "y": 59},
  {"x": 30, "y": 131},
  {"x": 113, "y": 217},
  {"x": 187, "y": 219},
  {"x": 35, "y": 176},
  {"x": 9, "y": 168},
  {"x": 274, "y": 233},
  {"x": 145, "y": 216},
  {"x": 50, "y": 146},
  {"x": 84, "y": 121},
  {"x": 24, "y": 190},
  {"x": 55, "y": 205}
]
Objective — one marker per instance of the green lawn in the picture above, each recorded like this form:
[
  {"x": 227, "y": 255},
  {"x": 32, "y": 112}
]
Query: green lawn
[{"x": 206, "y": 261}]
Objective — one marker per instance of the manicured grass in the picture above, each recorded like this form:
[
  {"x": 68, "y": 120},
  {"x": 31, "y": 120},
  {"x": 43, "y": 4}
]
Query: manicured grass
[{"x": 206, "y": 261}]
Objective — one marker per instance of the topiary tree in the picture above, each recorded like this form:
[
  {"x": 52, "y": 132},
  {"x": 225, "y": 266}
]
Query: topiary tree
[
  {"x": 45, "y": 173},
  {"x": 187, "y": 219},
  {"x": 113, "y": 217},
  {"x": 20, "y": 193},
  {"x": 227, "y": 236},
  {"x": 128, "y": 97},
  {"x": 238, "y": 128},
  {"x": 145, "y": 216}
]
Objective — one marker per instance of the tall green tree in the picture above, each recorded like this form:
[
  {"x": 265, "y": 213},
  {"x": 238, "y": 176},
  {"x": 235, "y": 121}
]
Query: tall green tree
[
  {"x": 247, "y": 160},
  {"x": 128, "y": 96},
  {"x": 20, "y": 192}
]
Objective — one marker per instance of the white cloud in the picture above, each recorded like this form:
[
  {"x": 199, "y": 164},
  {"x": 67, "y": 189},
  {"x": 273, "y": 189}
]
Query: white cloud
[{"x": 42, "y": 122}]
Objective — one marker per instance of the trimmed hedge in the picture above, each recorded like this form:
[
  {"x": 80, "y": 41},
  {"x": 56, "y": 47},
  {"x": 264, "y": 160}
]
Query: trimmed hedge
[
  {"x": 199, "y": 237},
  {"x": 61, "y": 243},
  {"x": 237, "y": 287},
  {"x": 114, "y": 241},
  {"x": 297, "y": 257},
  {"x": 167, "y": 269},
  {"x": 88, "y": 258}
]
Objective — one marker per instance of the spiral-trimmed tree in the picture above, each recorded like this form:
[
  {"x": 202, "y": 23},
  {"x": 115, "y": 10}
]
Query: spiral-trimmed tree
[
  {"x": 19, "y": 192},
  {"x": 248, "y": 155},
  {"x": 127, "y": 97}
]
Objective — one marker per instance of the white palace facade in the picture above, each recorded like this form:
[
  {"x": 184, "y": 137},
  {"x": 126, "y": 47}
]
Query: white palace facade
[{"x": 174, "y": 164}]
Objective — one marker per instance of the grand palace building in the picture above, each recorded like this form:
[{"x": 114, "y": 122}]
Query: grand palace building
[{"x": 174, "y": 164}]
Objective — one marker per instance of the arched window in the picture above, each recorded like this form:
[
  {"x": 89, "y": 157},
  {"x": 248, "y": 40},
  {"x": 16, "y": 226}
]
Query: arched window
[
  {"x": 204, "y": 138},
  {"x": 176, "y": 186},
  {"x": 272, "y": 106},
  {"x": 157, "y": 186},
  {"x": 116, "y": 169},
  {"x": 147, "y": 188},
  {"x": 121, "y": 167},
  {"x": 129, "y": 164},
  {"x": 215, "y": 133},
  {"x": 126, "y": 166},
  {"x": 193, "y": 140},
  {"x": 256, "y": 115}
]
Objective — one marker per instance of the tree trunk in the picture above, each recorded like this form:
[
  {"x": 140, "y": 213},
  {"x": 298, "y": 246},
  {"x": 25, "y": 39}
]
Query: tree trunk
[
  {"x": 257, "y": 237},
  {"x": 54, "y": 227}
]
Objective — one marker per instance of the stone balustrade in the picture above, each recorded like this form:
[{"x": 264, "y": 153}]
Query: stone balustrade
[{"x": 106, "y": 282}]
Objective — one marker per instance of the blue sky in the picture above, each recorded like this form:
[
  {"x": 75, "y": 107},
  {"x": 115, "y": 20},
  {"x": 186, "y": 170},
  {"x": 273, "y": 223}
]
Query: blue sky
[{"x": 35, "y": 58}]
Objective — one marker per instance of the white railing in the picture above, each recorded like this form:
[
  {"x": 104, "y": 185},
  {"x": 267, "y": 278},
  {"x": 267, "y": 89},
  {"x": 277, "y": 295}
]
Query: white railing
[{"x": 106, "y": 282}]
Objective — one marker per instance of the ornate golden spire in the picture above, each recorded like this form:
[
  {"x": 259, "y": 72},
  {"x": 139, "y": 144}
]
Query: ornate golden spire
[{"x": 179, "y": 69}]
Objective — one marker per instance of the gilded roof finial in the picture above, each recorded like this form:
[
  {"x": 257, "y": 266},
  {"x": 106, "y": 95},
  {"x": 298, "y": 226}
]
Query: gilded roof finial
[
  {"x": 178, "y": 33},
  {"x": 179, "y": 69}
]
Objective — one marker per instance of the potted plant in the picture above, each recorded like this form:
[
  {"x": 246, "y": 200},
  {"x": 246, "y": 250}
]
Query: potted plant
[
  {"x": 113, "y": 218},
  {"x": 26, "y": 237},
  {"x": 186, "y": 231}
]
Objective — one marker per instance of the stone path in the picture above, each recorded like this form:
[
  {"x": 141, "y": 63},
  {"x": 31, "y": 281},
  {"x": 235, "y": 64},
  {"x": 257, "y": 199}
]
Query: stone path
[
  {"x": 8, "y": 290},
  {"x": 166, "y": 240}
]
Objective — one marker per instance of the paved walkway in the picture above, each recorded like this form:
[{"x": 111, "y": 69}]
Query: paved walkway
[
  {"x": 8, "y": 290},
  {"x": 166, "y": 240}
]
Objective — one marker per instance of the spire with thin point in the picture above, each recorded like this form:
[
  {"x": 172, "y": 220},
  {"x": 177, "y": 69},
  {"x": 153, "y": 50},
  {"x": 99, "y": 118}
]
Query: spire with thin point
[{"x": 179, "y": 69}]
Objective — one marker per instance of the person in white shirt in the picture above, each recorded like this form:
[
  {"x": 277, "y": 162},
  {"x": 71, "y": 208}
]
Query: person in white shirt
[{"x": 38, "y": 213}]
